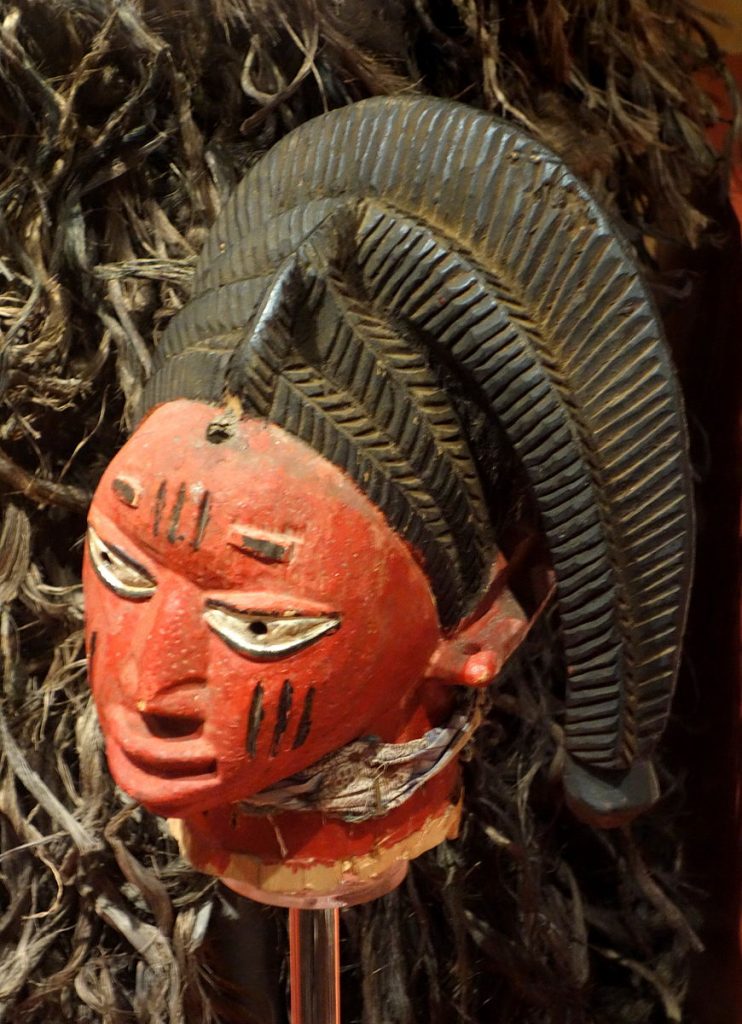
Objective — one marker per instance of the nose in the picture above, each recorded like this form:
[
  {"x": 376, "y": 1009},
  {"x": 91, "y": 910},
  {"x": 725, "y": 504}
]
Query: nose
[{"x": 167, "y": 661}]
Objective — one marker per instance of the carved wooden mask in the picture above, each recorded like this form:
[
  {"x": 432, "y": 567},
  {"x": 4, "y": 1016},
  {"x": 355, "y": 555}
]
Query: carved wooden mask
[
  {"x": 251, "y": 608},
  {"x": 392, "y": 287}
]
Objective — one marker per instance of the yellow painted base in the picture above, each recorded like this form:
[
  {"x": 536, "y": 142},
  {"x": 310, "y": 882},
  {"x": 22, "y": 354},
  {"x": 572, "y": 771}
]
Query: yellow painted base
[{"x": 312, "y": 885}]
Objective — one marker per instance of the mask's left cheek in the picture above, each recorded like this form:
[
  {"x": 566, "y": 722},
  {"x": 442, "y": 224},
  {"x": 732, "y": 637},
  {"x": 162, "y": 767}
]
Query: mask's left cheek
[{"x": 109, "y": 624}]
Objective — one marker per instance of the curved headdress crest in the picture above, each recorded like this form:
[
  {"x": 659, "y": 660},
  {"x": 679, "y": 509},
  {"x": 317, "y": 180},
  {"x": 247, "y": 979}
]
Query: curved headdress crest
[{"x": 394, "y": 254}]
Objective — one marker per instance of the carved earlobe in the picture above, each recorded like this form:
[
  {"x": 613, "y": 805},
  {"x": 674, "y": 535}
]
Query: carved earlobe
[
  {"x": 477, "y": 651},
  {"x": 453, "y": 665}
]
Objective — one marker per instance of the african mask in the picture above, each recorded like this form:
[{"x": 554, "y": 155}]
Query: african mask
[{"x": 295, "y": 555}]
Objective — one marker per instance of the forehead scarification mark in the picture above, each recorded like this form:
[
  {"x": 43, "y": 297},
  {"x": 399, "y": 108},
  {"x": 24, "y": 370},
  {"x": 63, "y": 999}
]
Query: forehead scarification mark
[
  {"x": 172, "y": 534},
  {"x": 128, "y": 490},
  {"x": 159, "y": 507},
  {"x": 262, "y": 544},
  {"x": 255, "y": 719},
  {"x": 282, "y": 717},
  {"x": 204, "y": 514}
]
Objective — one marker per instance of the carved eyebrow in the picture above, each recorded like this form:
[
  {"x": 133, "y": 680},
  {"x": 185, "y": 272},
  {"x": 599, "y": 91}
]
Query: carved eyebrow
[
  {"x": 261, "y": 544},
  {"x": 128, "y": 490}
]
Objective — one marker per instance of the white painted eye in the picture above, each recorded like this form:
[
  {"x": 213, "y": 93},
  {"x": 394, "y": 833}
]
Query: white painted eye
[
  {"x": 119, "y": 572},
  {"x": 267, "y": 637}
]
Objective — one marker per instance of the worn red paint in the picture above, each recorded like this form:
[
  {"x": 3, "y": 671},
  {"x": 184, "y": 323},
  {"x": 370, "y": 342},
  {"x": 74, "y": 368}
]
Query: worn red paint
[
  {"x": 309, "y": 836},
  {"x": 159, "y": 666},
  {"x": 192, "y": 722}
]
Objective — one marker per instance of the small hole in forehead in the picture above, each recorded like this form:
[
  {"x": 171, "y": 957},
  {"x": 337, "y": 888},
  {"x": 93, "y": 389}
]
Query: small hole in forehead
[
  {"x": 218, "y": 431},
  {"x": 224, "y": 426}
]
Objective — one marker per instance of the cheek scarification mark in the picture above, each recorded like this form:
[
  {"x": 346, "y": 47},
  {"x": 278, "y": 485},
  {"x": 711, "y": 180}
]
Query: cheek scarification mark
[
  {"x": 255, "y": 719},
  {"x": 282, "y": 719},
  {"x": 91, "y": 653},
  {"x": 204, "y": 514},
  {"x": 159, "y": 507},
  {"x": 305, "y": 722},
  {"x": 172, "y": 534}
]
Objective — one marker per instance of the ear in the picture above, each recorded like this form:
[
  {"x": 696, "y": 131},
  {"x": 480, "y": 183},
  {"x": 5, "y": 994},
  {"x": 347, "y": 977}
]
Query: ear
[{"x": 476, "y": 652}]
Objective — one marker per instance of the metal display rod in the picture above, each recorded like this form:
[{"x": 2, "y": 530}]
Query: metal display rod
[{"x": 314, "y": 949}]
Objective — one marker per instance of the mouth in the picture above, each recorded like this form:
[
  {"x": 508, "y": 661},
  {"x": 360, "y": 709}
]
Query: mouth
[
  {"x": 172, "y": 727},
  {"x": 147, "y": 748},
  {"x": 173, "y": 768},
  {"x": 171, "y": 786}
]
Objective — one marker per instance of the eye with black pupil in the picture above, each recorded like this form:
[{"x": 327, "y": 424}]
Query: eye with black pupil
[
  {"x": 269, "y": 636},
  {"x": 118, "y": 571}
]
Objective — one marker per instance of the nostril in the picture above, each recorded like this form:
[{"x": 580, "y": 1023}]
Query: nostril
[{"x": 172, "y": 727}]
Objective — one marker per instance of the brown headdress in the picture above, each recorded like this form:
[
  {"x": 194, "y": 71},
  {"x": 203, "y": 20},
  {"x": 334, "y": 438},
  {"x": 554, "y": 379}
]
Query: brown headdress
[{"x": 392, "y": 265}]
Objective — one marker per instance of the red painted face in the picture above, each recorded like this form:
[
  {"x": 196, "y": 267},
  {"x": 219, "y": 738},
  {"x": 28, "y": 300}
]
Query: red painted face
[{"x": 248, "y": 610}]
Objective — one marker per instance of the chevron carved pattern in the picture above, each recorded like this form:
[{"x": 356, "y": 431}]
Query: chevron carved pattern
[{"x": 387, "y": 245}]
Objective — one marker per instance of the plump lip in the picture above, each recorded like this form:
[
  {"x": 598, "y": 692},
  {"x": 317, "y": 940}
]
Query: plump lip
[
  {"x": 173, "y": 768},
  {"x": 155, "y": 755},
  {"x": 153, "y": 738},
  {"x": 171, "y": 786},
  {"x": 163, "y": 761}
]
